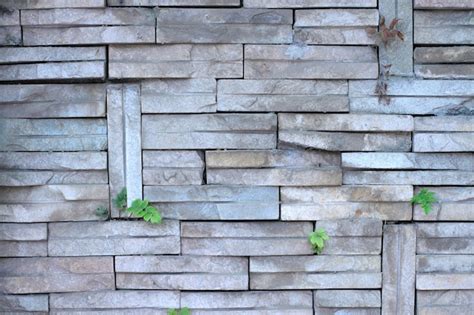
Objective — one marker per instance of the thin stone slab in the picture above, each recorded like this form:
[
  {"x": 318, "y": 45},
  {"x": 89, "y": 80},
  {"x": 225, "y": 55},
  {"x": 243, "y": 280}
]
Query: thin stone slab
[
  {"x": 443, "y": 142},
  {"x": 443, "y": 27},
  {"x": 309, "y": 62},
  {"x": 51, "y": 4},
  {"x": 445, "y": 62},
  {"x": 408, "y": 161},
  {"x": 455, "y": 124},
  {"x": 210, "y": 202},
  {"x": 309, "y": 3},
  {"x": 445, "y": 71},
  {"x": 10, "y": 30},
  {"x": 56, "y": 274},
  {"x": 175, "y": 3},
  {"x": 442, "y": 4},
  {"x": 176, "y": 61},
  {"x": 115, "y": 302},
  {"x": 282, "y": 96},
  {"x": 347, "y": 301},
  {"x": 53, "y": 135},
  {"x": 444, "y": 263},
  {"x": 334, "y": 36},
  {"x": 88, "y": 26},
  {"x": 444, "y": 302},
  {"x": 399, "y": 266},
  {"x": 454, "y": 204},
  {"x": 52, "y": 63},
  {"x": 16, "y": 304},
  {"x": 245, "y": 239},
  {"x": 52, "y": 100},
  {"x": 113, "y": 238},
  {"x": 173, "y": 167},
  {"x": 210, "y": 131},
  {"x": 429, "y": 178},
  {"x": 23, "y": 240},
  {"x": 257, "y": 26},
  {"x": 445, "y": 238},
  {"x": 250, "y": 302},
  {"x": 178, "y": 96},
  {"x": 438, "y": 282},
  {"x": 182, "y": 273}
]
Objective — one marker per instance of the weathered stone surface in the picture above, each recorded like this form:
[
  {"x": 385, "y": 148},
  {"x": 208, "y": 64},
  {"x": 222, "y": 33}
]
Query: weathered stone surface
[
  {"x": 443, "y": 27},
  {"x": 173, "y": 167},
  {"x": 456, "y": 124},
  {"x": 445, "y": 71},
  {"x": 424, "y": 161},
  {"x": 336, "y": 17},
  {"x": 347, "y": 299},
  {"x": 175, "y": 3},
  {"x": 88, "y": 26},
  {"x": 245, "y": 239},
  {"x": 443, "y": 4},
  {"x": 51, "y": 4},
  {"x": 399, "y": 266},
  {"x": 23, "y": 240},
  {"x": 176, "y": 61},
  {"x": 224, "y": 26},
  {"x": 444, "y": 263},
  {"x": 353, "y": 246},
  {"x": 181, "y": 273},
  {"x": 443, "y": 142},
  {"x": 53, "y": 135},
  {"x": 124, "y": 140},
  {"x": 455, "y": 54},
  {"x": 211, "y": 202},
  {"x": 445, "y": 282},
  {"x": 51, "y": 63},
  {"x": 444, "y": 302},
  {"x": 212, "y": 131},
  {"x": 454, "y": 204},
  {"x": 398, "y": 54},
  {"x": 354, "y": 227},
  {"x": 308, "y": 3},
  {"x": 34, "y": 178},
  {"x": 248, "y": 302},
  {"x": 15, "y": 304},
  {"x": 115, "y": 302},
  {"x": 430, "y": 178},
  {"x": 10, "y": 30},
  {"x": 309, "y": 62},
  {"x": 282, "y": 95},
  {"x": 113, "y": 238},
  {"x": 52, "y": 100},
  {"x": 53, "y": 193},
  {"x": 445, "y": 238},
  {"x": 51, "y": 274},
  {"x": 334, "y": 36},
  {"x": 178, "y": 96}
]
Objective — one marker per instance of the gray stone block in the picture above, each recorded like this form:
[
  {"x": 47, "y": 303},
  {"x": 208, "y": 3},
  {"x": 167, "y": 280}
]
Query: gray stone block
[
  {"x": 443, "y": 142},
  {"x": 10, "y": 30},
  {"x": 336, "y": 17},
  {"x": 456, "y": 124},
  {"x": 334, "y": 36},
  {"x": 445, "y": 71},
  {"x": 308, "y": 3},
  {"x": 175, "y": 3},
  {"x": 53, "y": 274},
  {"x": 51, "y": 4},
  {"x": 445, "y": 238},
  {"x": 176, "y": 61},
  {"x": 444, "y": 302},
  {"x": 210, "y": 202},
  {"x": 309, "y": 62},
  {"x": 113, "y": 238},
  {"x": 443, "y": 27},
  {"x": 444, "y": 263},
  {"x": 178, "y": 96},
  {"x": 354, "y": 227},
  {"x": 24, "y": 303},
  {"x": 182, "y": 273},
  {"x": 23, "y": 240},
  {"x": 211, "y": 131},
  {"x": 347, "y": 301},
  {"x": 443, "y": 5},
  {"x": 429, "y": 178},
  {"x": 438, "y": 282},
  {"x": 282, "y": 96}
]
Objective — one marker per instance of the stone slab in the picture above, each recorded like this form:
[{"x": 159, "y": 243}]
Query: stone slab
[
  {"x": 23, "y": 240},
  {"x": 308, "y": 3},
  {"x": 175, "y": 3},
  {"x": 347, "y": 299},
  {"x": 336, "y": 17},
  {"x": 436, "y": 282},
  {"x": 443, "y": 142},
  {"x": 443, "y": 27},
  {"x": 444, "y": 263},
  {"x": 334, "y": 36},
  {"x": 450, "y": 4},
  {"x": 24, "y": 303},
  {"x": 429, "y": 178},
  {"x": 51, "y": 4},
  {"x": 445, "y": 71},
  {"x": 444, "y": 302}
]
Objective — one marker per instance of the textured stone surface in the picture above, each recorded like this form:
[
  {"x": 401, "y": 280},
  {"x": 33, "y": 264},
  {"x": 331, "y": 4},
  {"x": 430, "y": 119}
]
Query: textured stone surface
[
  {"x": 182, "y": 273},
  {"x": 443, "y": 142},
  {"x": 347, "y": 301},
  {"x": 51, "y": 4},
  {"x": 309, "y": 62},
  {"x": 178, "y": 96},
  {"x": 10, "y": 30},
  {"x": 23, "y": 240},
  {"x": 308, "y": 3},
  {"x": 445, "y": 238},
  {"x": 443, "y": 27},
  {"x": 282, "y": 96},
  {"x": 442, "y": 4},
  {"x": 175, "y": 61},
  {"x": 430, "y": 178},
  {"x": 175, "y": 3},
  {"x": 224, "y": 26},
  {"x": 444, "y": 302},
  {"x": 24, "y": 303},
  {"x": 245, "y": 239},
  {"x": 54, "y": 274},
  {"x": 215, "y": 202}
]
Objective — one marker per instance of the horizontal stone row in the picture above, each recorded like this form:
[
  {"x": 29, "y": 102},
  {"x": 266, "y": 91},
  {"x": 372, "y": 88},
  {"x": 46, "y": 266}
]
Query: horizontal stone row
[
  {"x": 444, "y": 27},
  {"x": 445, "y": 62},
  {"x": 246, "y": 3},
  {"x": 10, "y": 29}
]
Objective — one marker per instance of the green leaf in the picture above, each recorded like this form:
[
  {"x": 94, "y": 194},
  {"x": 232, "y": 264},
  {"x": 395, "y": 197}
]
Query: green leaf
[
  {"x": 142, "y": 209},
  {"x": 185, "y": 311},
  {"x": 121, "y": 200},
  {"x": 172, "y": 311},
  {"x": 317, "y": 240},
  {"x": 425, "y": 198}
]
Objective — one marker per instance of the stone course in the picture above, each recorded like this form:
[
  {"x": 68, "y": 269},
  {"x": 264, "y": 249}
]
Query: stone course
[{"x": 248, "y": 124}]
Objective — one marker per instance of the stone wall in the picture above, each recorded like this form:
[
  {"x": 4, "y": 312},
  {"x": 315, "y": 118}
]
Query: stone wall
[{"x": 247, "y": 124}]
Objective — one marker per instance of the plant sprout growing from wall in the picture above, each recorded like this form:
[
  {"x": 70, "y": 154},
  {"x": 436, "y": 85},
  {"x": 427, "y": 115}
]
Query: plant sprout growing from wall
[
  {"x": 182, "y": 311},
  {"x": 425, "y": 198},
  {"x": 139, "y": 208},
  {"x": 317, "y": 240}
]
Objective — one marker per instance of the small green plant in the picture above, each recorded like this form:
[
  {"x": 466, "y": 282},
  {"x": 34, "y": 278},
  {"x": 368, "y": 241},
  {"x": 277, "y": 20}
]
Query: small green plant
[
  {"x": 317, "y": 240},
  {"x": 425, "y": 198},
  {"x": 182, "y": 311},
  {"x": 121, "y": 200},
  {"x": 143, "y": 209},
  {"x": 387, "y": 34},
  {"x": 102, "y": 212}
]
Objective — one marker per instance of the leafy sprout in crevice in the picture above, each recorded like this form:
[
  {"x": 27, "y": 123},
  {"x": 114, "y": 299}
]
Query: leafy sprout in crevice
[
  {"x": 182, "y": 311},
  {"x": 121, "y": 200},
  {"x": 425, "y": 198},
  {"x": 143, "y": 209},
  {"x": 318, "y": 239}
]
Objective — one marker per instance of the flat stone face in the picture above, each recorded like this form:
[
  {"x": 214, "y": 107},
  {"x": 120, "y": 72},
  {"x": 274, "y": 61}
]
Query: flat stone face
[
  {"x": 282, "y": 95},
  {"x": 429, "y": 178},
  {"x": 351, "y": 301},
  {"x": 308, "y": 3},
  {"x": 175, "y": 61},
  {"x": 338, "y": 17},
  {"x": 456, "y": 124},
  {"x": 334, "y": 36},
  {"x": 51, "y": 4},
  {"x": 280, "y": 302},
  {"x": 212, "y": 131},
  {"x": 443, "y": 263},
  {"x": 113, "y": 238},
  {"x": 178, "y": 96},
  {"x": 182, "y": 273},
  {"x": 22, "y": 240},
  {"x": 456, "y": 54},
  {"x": 224, "y": 26},
  {"x": 175, "y": 3},
  {"x": 443, "y": 71},
  {"x": 437, "y": 282},
  {"x": 52, "y": 63},
  {"x": 211, "y": 202},
  {"x": 437, "y": 4},
  {"x": 309, "y": 62},
  {"x": 445, "y": 238},
  {"x": 429, "y": 302},
  {"x": 443, "y": 142},
  {"x": 24, "y": 303},
  {"x": 54, "y": 274},
  {"x": 443, "y": 27},
  {"x": 10, "y": 30},
  {"x": 245, "y": 239}
]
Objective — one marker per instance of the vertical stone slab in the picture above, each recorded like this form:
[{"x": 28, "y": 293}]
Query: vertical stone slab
[
  {"x": 398, "y": 266},
  {"x": 124, "y": 126},
  {"x": 398, "y": 53}
]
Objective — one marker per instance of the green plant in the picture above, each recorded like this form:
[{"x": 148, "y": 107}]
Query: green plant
[
  {"x": 121, "y": 200},
  {"x": 143, "y": 209},
  {"x": 102, "y": 212},
  {"x": 425, "y": 198},
  {"x": 182, "y": 311},
  {"x": 317, "y": 240},
  {"x": 387, "y": 34}
]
